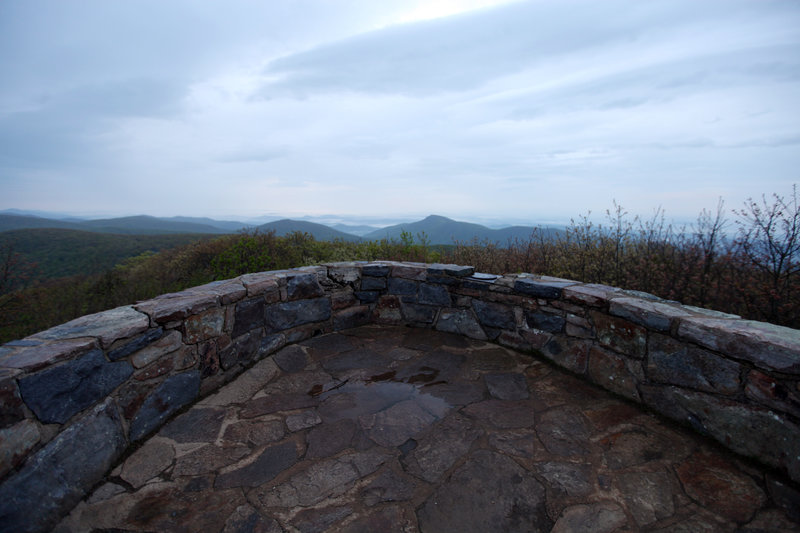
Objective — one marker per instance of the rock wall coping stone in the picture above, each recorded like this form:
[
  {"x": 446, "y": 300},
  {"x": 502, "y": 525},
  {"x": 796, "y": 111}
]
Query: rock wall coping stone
[{"x": 76, "y": 397}]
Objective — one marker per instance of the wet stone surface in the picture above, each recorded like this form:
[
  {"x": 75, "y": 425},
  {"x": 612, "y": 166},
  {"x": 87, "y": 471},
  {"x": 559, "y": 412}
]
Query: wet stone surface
[{"x": 397, "y": 429}]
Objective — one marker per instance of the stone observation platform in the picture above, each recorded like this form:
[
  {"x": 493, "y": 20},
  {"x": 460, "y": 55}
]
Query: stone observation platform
[
  {"x": 394, "y": 429},
  {"x": 401, "y": 397}
]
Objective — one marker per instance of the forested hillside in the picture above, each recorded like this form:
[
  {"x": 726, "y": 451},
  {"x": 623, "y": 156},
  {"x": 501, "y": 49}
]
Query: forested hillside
[{"x": 54, "y": 253}]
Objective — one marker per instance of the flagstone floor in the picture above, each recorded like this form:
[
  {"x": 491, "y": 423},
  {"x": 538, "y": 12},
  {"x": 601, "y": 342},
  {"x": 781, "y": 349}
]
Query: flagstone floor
[{"x": 397, "y": 429}]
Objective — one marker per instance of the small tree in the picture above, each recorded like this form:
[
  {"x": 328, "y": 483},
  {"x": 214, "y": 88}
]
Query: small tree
[
  {"x": 14, "y": 269},
  {"x": 769, "y": 238},
  {"x": 709, "y": 232}
]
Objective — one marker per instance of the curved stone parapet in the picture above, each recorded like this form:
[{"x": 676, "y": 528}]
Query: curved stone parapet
[{"x": 77, "y": 397}]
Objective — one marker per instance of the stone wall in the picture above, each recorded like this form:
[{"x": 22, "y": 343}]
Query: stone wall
[{"x": 76, "y": 397}]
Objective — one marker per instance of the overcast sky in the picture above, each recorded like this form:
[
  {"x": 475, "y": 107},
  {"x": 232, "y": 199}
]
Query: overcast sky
[{"x": 478, "y": 109}]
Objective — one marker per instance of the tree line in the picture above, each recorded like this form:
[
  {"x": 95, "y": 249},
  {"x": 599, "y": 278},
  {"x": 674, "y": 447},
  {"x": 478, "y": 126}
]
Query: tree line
[{"x": 748, "y": 265}]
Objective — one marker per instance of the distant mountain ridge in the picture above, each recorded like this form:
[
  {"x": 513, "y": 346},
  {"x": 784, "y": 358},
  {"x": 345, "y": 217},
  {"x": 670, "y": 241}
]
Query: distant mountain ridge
[
  {"x": 437, "y": 229},
  {"x": 135, "y": 225},
  {"x": 443, "y": 230},
  {"x": 320, "y": 232},
  {"x": 359, "y": 230}
]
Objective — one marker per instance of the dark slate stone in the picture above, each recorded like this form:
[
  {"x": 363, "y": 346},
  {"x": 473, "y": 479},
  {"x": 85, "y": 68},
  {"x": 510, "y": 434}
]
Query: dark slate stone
[
  {"x": 247, "y": 347},
  {"x": 287, "y": 315},
  {"x": 249, "y": 315},
  {"x": 375, "y": 270},
  {"x": 136, "y": 344},
  {"x": 271, "y": 462},
  {"x": 475, "y": 285},
  {"x": 368, "y": 297},
  {"x": 303, "y": 287},
  {"x": 490, "y": 492},
  {"x": 352, "y": 317},
  {"x": 388, "y": 487},
  {"x": 460, "y": 321},
  {"x": 244, "y": 349},
  {"x": 11, "y": 411},
  {"x": 319, "y": 520},
  {"x": 507, "y": 386},
  {"x": 401, "y": 287},
  {"x": 270, "y": 343},
  {"x": 54, "y": 480},
  {"x": 569, "y": 353},
  {"x": 442, "y": 279},
  {"x": 541, "y": 289},
  {"x": 545, "y": 322},
  {"x": 369, "y": 283},
  {"x": 785, "y": 497},
  {"x": 58, "y": 393},
  {"x": 329, "y": 439},
  {"x": 291, "y": 359},
  {"x": 568, "y": 479},
  {"x": 677, "y": 363},
  {"x": 195, "y": 425},
  {"x": 493, "y": 314},
  {"x": 733, "y": 424},
  {"x": 245, "y": 519},
  {"x": 419, "y": 313},
  {"x": 434, "y": 295},
  {"x": 176, "y": 392}
]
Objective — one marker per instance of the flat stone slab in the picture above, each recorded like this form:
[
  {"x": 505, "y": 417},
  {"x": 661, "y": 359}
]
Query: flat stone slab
[{"x": 399, "y": 429}]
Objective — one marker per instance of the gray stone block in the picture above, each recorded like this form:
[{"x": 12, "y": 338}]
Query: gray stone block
[
  {"x": 352, "y": 317},
  {"x": 654, "y": 315},
  {"x": 401, "y": 287},
  {"x": 368, "y": 297},
  {"x": 419, "y": 313},
  {"x": 136, "y": 344},
  {"x": 758, "y": 433},
  {"x": 541, "y": 288},
  {"x": 58, "y": 393},
  {"x": 303, "y": 287},
  {"x": 279, "y": 317},
  {"x": 456, "y": 271},
  {"x": 767, "y": 346},
  {"x": 249, "y": 314},
  {"x": 108, "y": 326},
  {"x": 545, "y": 321},
  {"x": 434, "y": 295},
  {"x": 176, "y": 306},
  {"x": 494, "y": 315},
  {"x": 460, "y": 321},
  {"x": 176, "y": 392},
  {"x": 372, "y": 283},
  {"x": 677, "y": 363},
  {"x": 55, "y": 479},
  {"x": 375, "y": 270},
  {"x": 620, "y": 335}
]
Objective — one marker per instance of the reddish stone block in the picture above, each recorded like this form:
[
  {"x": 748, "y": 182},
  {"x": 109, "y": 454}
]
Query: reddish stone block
[{"x": 719, "y": 486}]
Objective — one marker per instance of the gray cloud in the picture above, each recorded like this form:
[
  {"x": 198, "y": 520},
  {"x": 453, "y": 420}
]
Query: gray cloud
[
  {"x": 305, "y": 105},
  {"x": 464, "y": 52},
  {"x": 456, "y": 53}
]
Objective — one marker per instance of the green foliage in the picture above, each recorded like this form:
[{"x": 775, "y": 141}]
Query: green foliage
[
  {"x": 64, "y": 252},
  {"x": 249, "y": 253}
]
